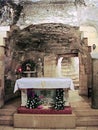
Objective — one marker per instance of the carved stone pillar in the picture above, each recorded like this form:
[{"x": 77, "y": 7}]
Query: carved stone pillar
[
  {"x": 82, "y": 76},
  {"x": 1, "y": 76},
  {"x": 2, "y": 67},
  {"x": 95, "y": 82},
  {"x": 85, "y": 75}
]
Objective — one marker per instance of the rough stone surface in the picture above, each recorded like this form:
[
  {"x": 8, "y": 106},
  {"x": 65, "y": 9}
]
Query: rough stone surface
[{"x": 60, "y": 35}]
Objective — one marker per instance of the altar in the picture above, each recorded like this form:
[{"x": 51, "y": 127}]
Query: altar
[
  {"x": 42, "y": 83},
  {"x": 43, "y": 118}
]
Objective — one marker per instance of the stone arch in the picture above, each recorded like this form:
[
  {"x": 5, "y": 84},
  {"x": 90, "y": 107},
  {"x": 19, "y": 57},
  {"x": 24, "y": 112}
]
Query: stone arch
[{"x": 45, "y": 39}]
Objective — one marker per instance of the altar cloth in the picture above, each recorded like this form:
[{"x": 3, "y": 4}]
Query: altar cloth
[{"x": 43, "y": 83}]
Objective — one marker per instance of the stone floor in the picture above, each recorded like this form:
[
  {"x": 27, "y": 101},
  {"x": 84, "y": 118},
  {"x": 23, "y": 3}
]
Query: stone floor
[
  {"x": 77, "y": 128},
  {"x": 75, "y": 100}
]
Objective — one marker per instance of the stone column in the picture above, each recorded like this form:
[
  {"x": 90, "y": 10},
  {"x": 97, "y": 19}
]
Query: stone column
[
  {"x": 2, "y": 46},
  {"x": 1, "y": 76},
  {"x": 94, "y": 98},
  {"x": 82, "y": 76},
  {"x": 84, "y": 68},
  {"x": 23, "y": 97}
]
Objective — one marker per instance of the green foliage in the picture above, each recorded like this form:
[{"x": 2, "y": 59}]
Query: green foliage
[
  {"x": 59, "y": 100},
  {"x": 33, "y": 102}
]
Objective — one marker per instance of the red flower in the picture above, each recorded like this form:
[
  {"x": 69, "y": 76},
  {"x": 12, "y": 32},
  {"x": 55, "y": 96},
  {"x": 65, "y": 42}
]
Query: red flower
[{"x": 19, "y": 70}]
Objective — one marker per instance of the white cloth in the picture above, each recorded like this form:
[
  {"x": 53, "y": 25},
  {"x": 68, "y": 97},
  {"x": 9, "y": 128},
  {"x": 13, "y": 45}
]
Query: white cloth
[{"x": 46, "y": 83}]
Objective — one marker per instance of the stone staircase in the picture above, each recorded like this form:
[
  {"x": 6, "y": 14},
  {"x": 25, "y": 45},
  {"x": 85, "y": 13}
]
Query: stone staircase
[
  {"x": 6, "y": 116},
  {"x": 86, "y": 117},
  {"x": 67, "y": 70},
  {"x": 81, "y": 106}
]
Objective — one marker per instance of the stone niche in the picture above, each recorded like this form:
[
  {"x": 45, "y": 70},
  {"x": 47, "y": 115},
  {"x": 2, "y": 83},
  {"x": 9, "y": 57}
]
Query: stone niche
[{"x": 44, "y": 43}]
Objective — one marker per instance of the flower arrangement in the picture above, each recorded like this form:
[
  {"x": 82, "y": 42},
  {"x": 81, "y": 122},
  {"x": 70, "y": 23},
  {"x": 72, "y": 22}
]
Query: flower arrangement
[
  {"x": 41, "y": 102},
  {"x": 33, "y": 100},
  {"x": 59, "y": 100}
]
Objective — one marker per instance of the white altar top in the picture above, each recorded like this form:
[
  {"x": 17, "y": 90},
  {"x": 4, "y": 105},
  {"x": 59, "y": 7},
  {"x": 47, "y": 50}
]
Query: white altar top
[{"x": 43, "y": 83}]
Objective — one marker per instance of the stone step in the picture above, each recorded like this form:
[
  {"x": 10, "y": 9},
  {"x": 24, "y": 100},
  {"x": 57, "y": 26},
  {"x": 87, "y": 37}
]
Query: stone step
[
  {"x": 74, "y": 75},
  {"x": 70, "y": 69},
  {"x": 45, "y": 121},
  {"x": 6, "y": 120},
  {"x": 64, "y": 65},
  {"x": 83, "y": 113},
  {"x": 76, "y": 85},
  {"x": 64, "y": 71},
  {"x": 6, "y": 116},
  {"x": 86, "y": 116},
  {"x": 87, "y": 121},
  {"x": 67, "y": 68},
  {"x": 76, "y": 81},
  {"x": 74, "y": 78},
  {"x": 7, "y": 112}
]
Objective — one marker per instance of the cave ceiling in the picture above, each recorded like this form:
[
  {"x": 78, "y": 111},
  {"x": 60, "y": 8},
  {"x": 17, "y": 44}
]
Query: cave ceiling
[
  {"x": 52, "y": 18},
  {"x": 61, "y": 14},
  {"x": 70, "y": 12}
]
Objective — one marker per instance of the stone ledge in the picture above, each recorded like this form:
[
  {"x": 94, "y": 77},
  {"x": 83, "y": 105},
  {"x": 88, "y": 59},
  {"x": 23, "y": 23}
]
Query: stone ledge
[
  {"x": 24, "y": 110},
  {"x": 44, "y": 121}
]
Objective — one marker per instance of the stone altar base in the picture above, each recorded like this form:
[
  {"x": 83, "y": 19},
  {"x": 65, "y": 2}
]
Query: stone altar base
[{"x": 44, "y": 121}]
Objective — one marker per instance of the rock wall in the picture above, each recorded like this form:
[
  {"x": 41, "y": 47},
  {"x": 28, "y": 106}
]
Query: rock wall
[
  {"x": 46, "y": 42},
  {"x": 95, "y": 83},
  {"x": 2, "y": 63}
]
